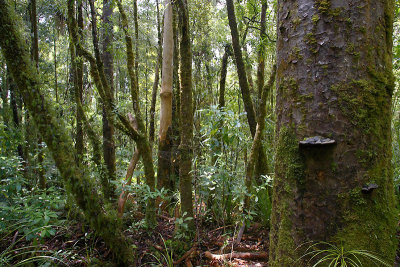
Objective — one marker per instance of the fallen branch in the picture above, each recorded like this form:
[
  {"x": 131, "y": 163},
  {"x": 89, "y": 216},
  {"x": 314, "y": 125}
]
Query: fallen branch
[
  {"x": 186, "y": 255},
  {"x": 220, "y": 228},
  {"x": 188, "y": 263},
  {"x": 237, "y": 255}
]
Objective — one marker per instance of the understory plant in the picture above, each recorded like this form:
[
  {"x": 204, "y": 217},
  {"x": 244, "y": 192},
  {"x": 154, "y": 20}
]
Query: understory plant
[{"x": 328, "y": 254}]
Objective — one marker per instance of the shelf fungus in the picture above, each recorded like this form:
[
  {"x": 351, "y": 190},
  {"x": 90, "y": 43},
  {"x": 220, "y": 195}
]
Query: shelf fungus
[
  {"x": 368, "y": 188},
  {"x": 317, "y": 141}
]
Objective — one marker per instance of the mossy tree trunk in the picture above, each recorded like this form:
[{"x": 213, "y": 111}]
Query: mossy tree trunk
[
  {"x": 139, "y": 135},
  {"x": 56, "y": 137},
  {"x": 35, "y": 58},
  {"x": 108, "y": 128},
  {"x": 334, "y": 79},
  {"x": 78, "y": 92},
  {"x": 257, "y": 140},
  {"x": 176, "y": 104},
  {"x": 186, "y": 120}
]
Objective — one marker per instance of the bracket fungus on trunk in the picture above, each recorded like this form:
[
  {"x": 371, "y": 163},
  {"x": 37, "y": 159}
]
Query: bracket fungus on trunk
[
  {"x": 368, "y": 188},
  {"x": 316, "y": 141}
]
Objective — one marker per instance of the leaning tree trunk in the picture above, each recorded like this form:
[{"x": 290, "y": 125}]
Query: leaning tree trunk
[
  {"x": 108, "y": 128},
  {"x": 334, "y": 80},
  {"x": 261, "y": 169},
  {"x": 164, "y": 146},
  {"x": 53, "y": 131}
]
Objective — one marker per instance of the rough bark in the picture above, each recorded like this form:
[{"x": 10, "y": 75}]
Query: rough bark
[
  {"x": 54, "y": 134},
  {"x": 108, "y": 128},
  {"x": 186, "y": 145},
  {"x": 334, "y": 79},
  {"x": 165, "y": 142}
]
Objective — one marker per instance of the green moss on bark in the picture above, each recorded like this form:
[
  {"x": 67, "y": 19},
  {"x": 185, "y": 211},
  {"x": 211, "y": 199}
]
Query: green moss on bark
[{"x": 289, "y": 171}]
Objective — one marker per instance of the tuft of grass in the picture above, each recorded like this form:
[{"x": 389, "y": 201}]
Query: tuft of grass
[
  {"x": 166, "y": 258},
  {"x": 332, "y": 255}
]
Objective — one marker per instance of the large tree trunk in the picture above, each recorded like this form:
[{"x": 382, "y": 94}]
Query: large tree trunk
[
  {"x": 164, "y": 146},
  {"x": 186, "y": 146},
  {"x": 108, "y": 128},
  {"x": 53, "y": 131},
  {"x": 334, "y": 79}
]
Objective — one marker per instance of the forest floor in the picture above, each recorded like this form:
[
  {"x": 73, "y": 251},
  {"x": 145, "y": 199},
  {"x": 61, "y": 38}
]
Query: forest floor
[{"x": 77, "y": 245}]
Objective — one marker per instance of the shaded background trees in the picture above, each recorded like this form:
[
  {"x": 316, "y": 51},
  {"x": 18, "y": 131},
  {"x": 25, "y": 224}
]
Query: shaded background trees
[{"x": 110, "y": 119}]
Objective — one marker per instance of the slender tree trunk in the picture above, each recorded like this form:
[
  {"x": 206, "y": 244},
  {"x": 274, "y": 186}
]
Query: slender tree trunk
[
  {"x": 55, "y": 62},
  {"x": 261, "y": 52},
  {"x": 4, "y": 95},
  {"x": 240, "y": 66},
  {"x": 221, "y": 100},
  {"x": 164, "y": 146},
  {"x": 255, "y": 147},
  {"x": 156, "y": 79},
  {"x": 261, "y": 166},
  {"x": 35, "y": 57},
  {"x": 135, "y": 18},
  {"x": 186, "y": 146},
  {"x": 140, "y": 135},
  {"x": 14, "y": 108},
  {"x": 57, "y": 139},
  {"x": 176, "y": 105},
  {"x": 78, "y": 92},
  {"x": 108, "y": 128},
  {"x": 337, "y": 187}
]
